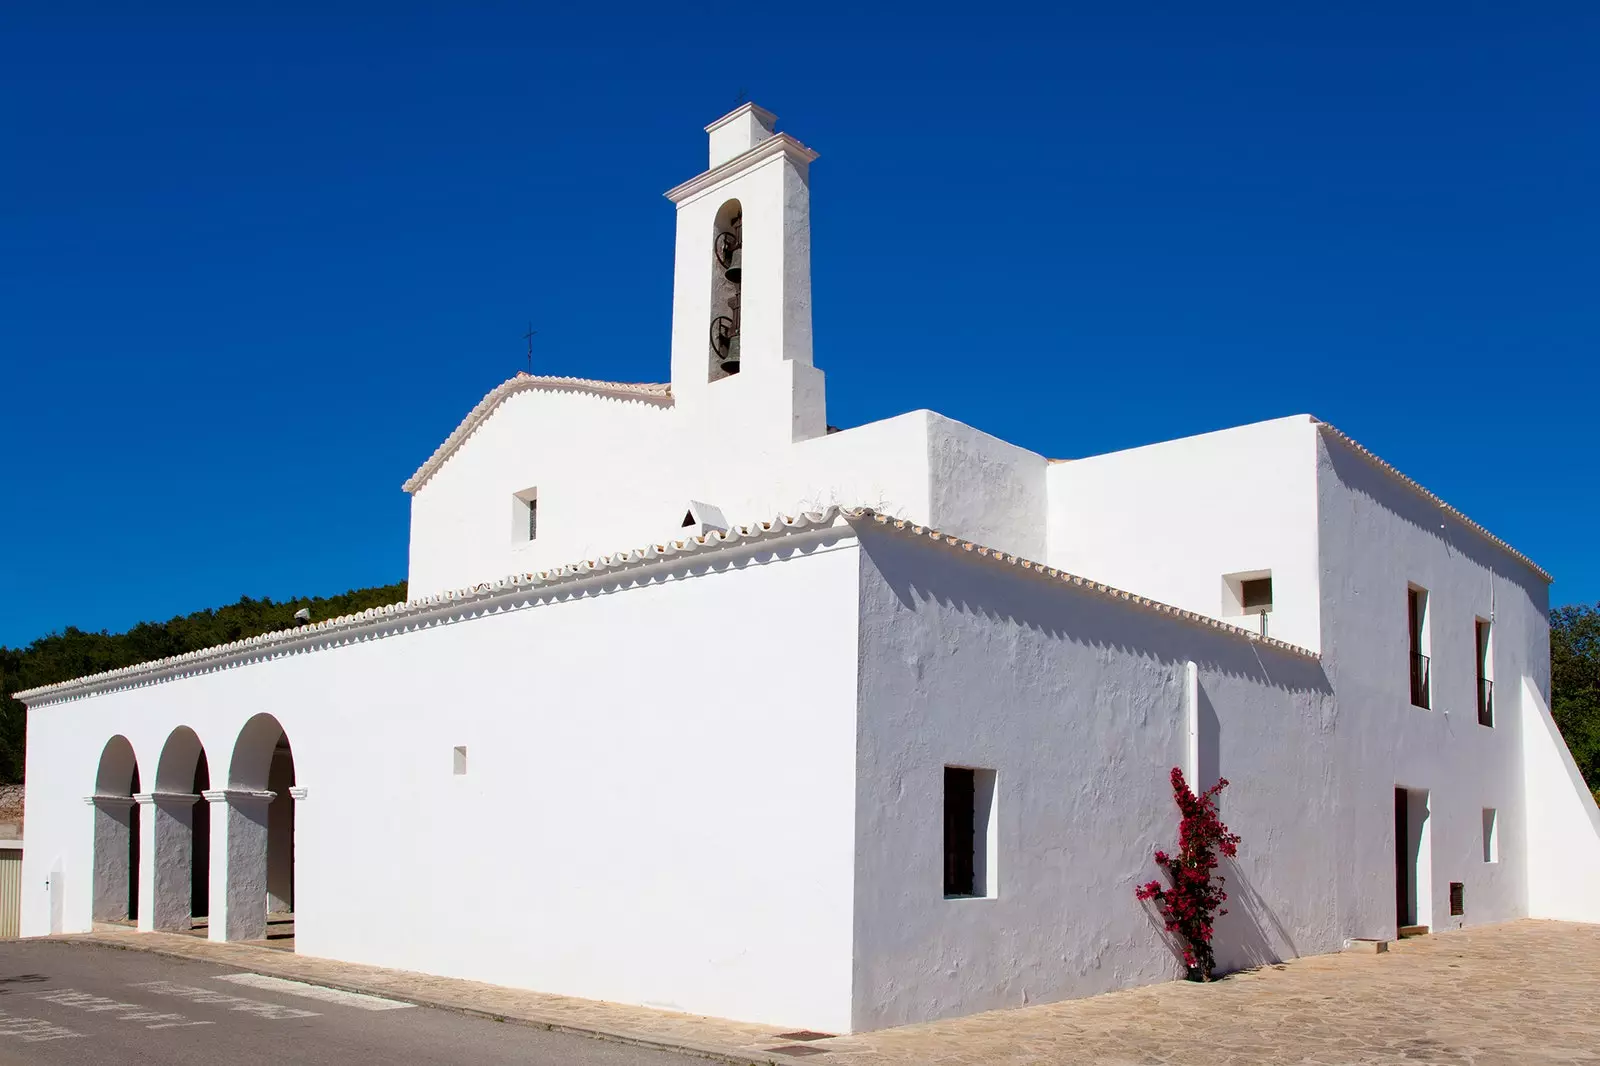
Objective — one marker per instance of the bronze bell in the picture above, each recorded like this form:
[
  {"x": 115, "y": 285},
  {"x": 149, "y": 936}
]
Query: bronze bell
[
  {"x": 735, "y": 268},
  {"x": 730, "y": 359}
]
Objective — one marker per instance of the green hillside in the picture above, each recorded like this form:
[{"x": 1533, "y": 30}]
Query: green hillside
[{"x": 74, "y": 653}]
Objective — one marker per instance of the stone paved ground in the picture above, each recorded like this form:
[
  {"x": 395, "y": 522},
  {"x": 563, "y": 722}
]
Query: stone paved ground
[{"x": 1520, "y": 993}]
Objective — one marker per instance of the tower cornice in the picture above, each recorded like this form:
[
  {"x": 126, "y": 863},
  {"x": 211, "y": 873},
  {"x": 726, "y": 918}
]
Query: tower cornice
[{"x": 779, "y": 144}]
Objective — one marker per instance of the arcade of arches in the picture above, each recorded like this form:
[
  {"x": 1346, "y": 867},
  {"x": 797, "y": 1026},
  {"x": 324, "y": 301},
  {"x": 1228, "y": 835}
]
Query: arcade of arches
[{"x": 184, "y": 851}]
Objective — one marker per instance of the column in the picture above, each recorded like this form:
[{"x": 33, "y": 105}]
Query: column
[
  {"x": 238, "y": 863},
  {"x": 166, "y": 858},
  {"x": 113, "y": 833}
]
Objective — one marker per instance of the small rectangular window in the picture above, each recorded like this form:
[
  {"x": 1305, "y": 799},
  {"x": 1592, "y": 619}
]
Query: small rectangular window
[
  {"x": 1458, "y": 898},
  {"x": 525, "y": 516},
  {"x": 1256, "y": 594},
  {"x": 1485, "y": 674},
  {"x": 1491, "y": 835},
  {"x": 1417, "y": 624},
  {"x": 969, "y": 832},
  {"x": 460, "y": 766}
]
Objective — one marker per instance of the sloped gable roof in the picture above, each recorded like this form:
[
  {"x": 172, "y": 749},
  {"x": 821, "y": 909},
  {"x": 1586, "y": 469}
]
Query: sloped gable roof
[{"x": 658, "y": 393}]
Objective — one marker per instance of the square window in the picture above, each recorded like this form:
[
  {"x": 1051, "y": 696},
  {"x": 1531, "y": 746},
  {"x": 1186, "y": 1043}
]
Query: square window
[
  {"x": 1491, "y": 835},
  {"x": 970, "y": 833},
  {"x": 1256, "y": 593}
]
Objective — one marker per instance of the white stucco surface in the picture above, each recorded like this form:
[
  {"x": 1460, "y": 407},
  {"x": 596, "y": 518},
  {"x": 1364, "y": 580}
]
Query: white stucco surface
[
  {"x": 1563, "y": 823},
  {"x": 626, "y": 830}
]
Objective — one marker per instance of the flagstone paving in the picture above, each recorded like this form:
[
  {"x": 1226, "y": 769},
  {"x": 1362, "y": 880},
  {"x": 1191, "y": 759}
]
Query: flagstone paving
[{"x": 1520, "y": 993}]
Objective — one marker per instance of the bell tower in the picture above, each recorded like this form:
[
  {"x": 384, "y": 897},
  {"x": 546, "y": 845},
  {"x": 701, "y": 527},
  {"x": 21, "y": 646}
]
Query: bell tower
[{"x": 741, "y": 299}]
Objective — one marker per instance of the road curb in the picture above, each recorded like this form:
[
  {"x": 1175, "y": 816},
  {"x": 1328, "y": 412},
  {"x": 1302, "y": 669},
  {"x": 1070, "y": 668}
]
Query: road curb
[{"x": 533, "y": 1021}]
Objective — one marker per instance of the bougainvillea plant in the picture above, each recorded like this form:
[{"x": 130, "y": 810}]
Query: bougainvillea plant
[{"x": 1192, "y": 899}]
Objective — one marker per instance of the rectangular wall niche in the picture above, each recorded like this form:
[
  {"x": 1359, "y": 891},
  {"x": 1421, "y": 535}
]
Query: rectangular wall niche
[
  {"x": 970, "y": 833},
  {"x": 460, "y": 759},
  {"x": 1491, "y": 835}
]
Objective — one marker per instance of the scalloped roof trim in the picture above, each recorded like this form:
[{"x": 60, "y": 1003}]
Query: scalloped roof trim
[
  {"x": 779, "y": 526},
  {"x": 1077, "y": 581},
  {"x": 1432, "y": 497},
  {"x": 659, "y": 393}
]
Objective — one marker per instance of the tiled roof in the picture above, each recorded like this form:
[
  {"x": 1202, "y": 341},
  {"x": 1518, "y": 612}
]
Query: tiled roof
[
  {"x": 650, "y": 392},
  {"x": 419, "y": 612},
  {"x": 1433, "y": 498}
]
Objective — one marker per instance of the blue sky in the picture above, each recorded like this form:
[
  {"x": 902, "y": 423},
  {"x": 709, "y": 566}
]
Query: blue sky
[{"x": 258, "y": 263}]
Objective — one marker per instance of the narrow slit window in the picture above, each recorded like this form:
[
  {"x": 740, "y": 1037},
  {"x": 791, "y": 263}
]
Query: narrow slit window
[
  {"x": 1417, "y": 623},
  {"x": 525, "y": 516},
  {"x": 1491, "y": 835},
  {"x": 459, "y": 763},
  {"x": 1485, "y": 674},
  {"x": 969, "y": 833}
]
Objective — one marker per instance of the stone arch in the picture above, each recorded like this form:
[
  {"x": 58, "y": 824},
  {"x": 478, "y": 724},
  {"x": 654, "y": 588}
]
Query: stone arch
[
  {"x": 176, "y": 864},
  {"x": 116, "y": 833},
  {"x": 260, "y": 833}
]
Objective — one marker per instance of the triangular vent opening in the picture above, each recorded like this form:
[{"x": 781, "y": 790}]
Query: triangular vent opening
[{"x": 688, "y": 519}]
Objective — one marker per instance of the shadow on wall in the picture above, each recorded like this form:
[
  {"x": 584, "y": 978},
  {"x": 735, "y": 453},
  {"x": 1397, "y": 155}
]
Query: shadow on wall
[
  {"x": 1250, "y": 934},
  {"x": 1064, "y": 611},
  {"x": 1358, "y": 475}
]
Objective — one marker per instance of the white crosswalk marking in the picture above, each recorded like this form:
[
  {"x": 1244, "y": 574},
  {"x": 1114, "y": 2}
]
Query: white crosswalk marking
[{"x": 326, "y": 995}]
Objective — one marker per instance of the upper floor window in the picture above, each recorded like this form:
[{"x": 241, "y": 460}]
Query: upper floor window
[
  {"x": 1481, "y": 628},
  {"x": 525, "y": 516},
  {"x": 1419, "y": 645},
  {"x": 1248, "y": 594}
]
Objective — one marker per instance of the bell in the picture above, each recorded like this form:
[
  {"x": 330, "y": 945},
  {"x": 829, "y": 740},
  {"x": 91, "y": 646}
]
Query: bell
[
  {"x": 735, "y": 265},
  {"x": 730, "y": 360}
]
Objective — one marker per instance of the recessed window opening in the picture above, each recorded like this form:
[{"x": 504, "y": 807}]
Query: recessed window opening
[
  {"x": 727, "y": 290},
  {"x": 1248, "y": 593},
  {"x": 525, "y": 516},
  {"x": 1418, "y": 645},
  {"x": 1491, "y": 835},
  {"x": 1485, "y": 673},
  {"x": 970, "y": 833},
  {"x": 1458, "y": 898},
  {"x": 459, "y": 766}
]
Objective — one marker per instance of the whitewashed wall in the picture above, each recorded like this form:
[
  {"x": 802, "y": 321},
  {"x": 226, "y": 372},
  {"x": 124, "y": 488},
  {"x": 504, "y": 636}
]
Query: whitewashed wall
[
  {"x": 1078, "y": 703},
  {"x": 1169, "y": 520},
  {"x": 1376, "y": 536},
  {"x": 616, "y": 474},
  {"x": 658, "y": 808},
  {"x": 1563, "y": 823}
]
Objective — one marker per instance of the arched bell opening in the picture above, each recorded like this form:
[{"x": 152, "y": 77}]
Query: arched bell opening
[
  {"x": 180, "y": 826},
  {"x": 116, "y": 834},
  {"x": 262, "y": 887},
  {"x": 727, "y": 284}
]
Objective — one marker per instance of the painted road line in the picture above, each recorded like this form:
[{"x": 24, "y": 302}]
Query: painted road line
[
  {"x": 272, "y": 1012},
  {"x": 124, "y": 1012},
  {"x": 33, "y": 1030},
  {"x": 358, "y": 1000}
]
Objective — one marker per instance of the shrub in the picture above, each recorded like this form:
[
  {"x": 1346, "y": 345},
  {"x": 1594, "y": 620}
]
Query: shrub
[{"x": 1192, "y": 899}]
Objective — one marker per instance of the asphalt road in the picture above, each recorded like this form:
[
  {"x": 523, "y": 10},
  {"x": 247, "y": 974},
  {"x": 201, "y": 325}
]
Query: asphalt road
[{"x": 87, "y": 1006}]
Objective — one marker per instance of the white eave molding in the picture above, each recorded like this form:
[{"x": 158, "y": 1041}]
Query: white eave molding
[
  {"x": 779, "y": 144},
  {"x": 524, "y": 590}
]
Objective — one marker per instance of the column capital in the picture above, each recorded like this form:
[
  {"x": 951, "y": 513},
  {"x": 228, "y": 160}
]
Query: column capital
[
  {"x": 109, "y": 801},
  {"x": 238, "y": 795}
]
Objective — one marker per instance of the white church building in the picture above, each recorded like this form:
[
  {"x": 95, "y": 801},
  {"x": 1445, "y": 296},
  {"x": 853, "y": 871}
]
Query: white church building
[{"x": 701, "y": 703}]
